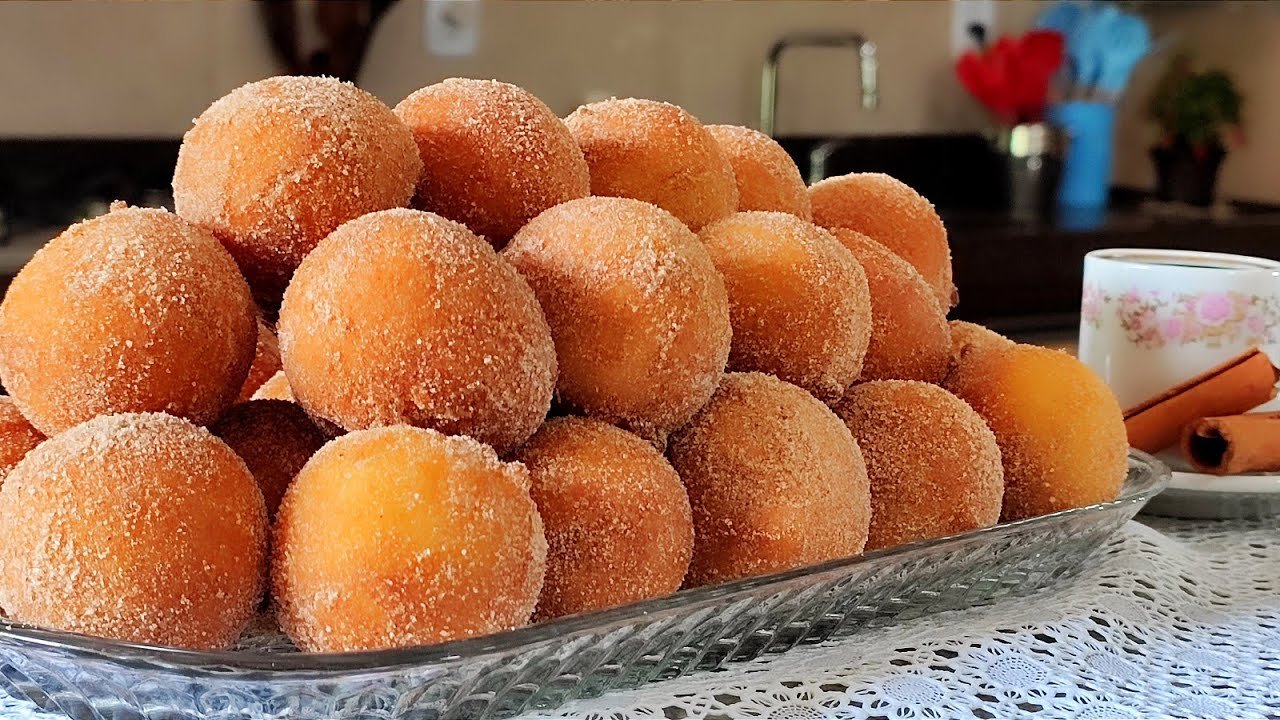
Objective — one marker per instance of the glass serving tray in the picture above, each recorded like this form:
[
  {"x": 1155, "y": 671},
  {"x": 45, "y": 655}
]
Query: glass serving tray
[{"x": 543, "y": 666}]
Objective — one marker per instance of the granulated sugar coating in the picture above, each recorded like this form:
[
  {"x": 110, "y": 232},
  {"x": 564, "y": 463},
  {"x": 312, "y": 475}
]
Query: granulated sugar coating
[
  {"x": 493, "y": 155},
  {"x": 17, "y": 436},
  {"x": 798, "y": 300},
  {"x": 402, "y": 536},
  {"x": 275, "y": 438},
  {"x": 934, "y": 464},
  {"x": 909, "y": 335},
  {"x": 275, "y": 388},
  {"x": 1060, "y": 430},
  {"x": 767, "y": 177},
  {"x": 894, "y": 215},
  {"x": 276, "y": 165},
  {"x": 638, "y": 312},
  {"x": 136, "y": 527},
  {"x": 658, "y": 153},
  {"x": 969, "y": 340},
  {"x": 616, "y": 517},
  {"x": 266, "y": 362},
  {"x": 774, "y": 478},
  {"x": 133, "y": 311},
  {"x": 404, "y": 317}
]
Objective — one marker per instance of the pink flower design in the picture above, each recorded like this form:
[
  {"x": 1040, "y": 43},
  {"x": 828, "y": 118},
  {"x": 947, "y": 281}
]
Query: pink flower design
[
  {"x": 1172, "y": 328},
  {"x": 1255, "y": 324},
  {"x": 1214, "y": 308},
  {"x": 1130, "y": 298}
]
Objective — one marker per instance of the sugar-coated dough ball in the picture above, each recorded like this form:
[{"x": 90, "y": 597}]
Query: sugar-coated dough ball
[
  {"x": 275, "y": 438},
  {"x": 933, "y": 462},
  {"x": 266, "y": 362},
  {"x": 615, "y": 513},
  {"x": 894, "y": 215},
  {"x": 276, "y": 165},
  {"x": 275, "y": 388},
  {"x": 17, "y": 436},
  {"x": 1061, "y": 431},
  {"x": 656, "y": 152},
  {"x": 909, "y": 335},
  {"x": 493, "y": 155},
  {"x": 767, "y": 177},
  {"x": 798, "y": 300},
  {"x": 401, "y": 536},
  {"x": 774, "y": 478},
  {"x": 402, "y": 316},
  {"x": 638, "y": 312},
  {"x": 136, "y": 527},
  {"x": 969, "y": 341},
  {"x": 133, "y": 311}
]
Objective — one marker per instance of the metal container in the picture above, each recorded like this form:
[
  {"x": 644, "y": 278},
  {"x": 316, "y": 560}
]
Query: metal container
[{"x": 1031, "y": 155}]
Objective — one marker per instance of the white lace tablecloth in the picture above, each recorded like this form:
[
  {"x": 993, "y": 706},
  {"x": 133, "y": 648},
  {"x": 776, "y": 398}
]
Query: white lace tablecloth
[{"x": 1172, "y": 619}]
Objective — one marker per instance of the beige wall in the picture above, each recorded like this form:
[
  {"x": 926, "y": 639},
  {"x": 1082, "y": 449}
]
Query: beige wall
[
  {"x": 1244, "y": 38},
  {"x": 145, "y": 69},
  {"x": 130, "y": 68}
]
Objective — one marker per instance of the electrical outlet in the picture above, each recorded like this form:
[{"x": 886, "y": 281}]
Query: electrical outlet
[
  {"x": 451, "y": 27},
  {"x": 971, "y": 12}
]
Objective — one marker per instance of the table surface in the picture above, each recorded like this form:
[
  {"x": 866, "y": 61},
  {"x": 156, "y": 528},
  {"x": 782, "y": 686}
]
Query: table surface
[{"x": 1171, "y": 618}]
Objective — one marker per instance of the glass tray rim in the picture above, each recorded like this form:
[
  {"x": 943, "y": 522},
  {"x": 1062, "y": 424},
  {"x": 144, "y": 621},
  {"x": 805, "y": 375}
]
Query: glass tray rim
[{"x": 1152, "y": 477}]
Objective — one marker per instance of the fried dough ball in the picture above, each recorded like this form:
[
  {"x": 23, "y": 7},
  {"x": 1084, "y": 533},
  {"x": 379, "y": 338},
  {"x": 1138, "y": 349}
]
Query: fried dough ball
[
  {"x": 798, "y": 300},
  {"x": 638, "y": 312},
  {"x": 969, "y": 340},
  {"x": 774, "y": 478},
  {"x": 656, "y": 152},
  {"x": 133, "y": 311},
  {"x": 615, "y": 513},
  {"x": 933, "y": 462},
  {"x": 275, "y": 388},
  {"x": 453, "y": 339},
  {"x": 138, "y": 527},
  {"x": 1061, "y": 431},
  {"x": 894, "y": 215},
  {"x": 401, "y": 536},
  {"x": 17, "y": 436},
  {"x": 493, "y": 155},
  {"x": 275, "y": 438},
  {"x": 276, "y": 165},
  {"x": 266, "y": 362},
  {"x": 767, "y": 177},
  {"x": 909, "y": 335}
]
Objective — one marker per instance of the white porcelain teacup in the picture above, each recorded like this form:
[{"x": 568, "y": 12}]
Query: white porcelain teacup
[{"x": 1152, "y": 319}]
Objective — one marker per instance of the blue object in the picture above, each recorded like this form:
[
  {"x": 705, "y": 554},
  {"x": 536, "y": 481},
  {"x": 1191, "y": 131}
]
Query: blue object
[
  {"x": 1060, "y": 16},
  {"x": 1127, "y": 40},
  {"x": 1086, "y": 172}
]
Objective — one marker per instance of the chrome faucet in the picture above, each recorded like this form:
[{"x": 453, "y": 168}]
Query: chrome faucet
[{"x": 867, "y": 67}]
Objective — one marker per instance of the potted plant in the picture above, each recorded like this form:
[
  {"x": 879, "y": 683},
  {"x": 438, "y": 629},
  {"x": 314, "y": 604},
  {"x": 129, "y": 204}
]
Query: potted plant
[{"x": 1196, "y": 111}]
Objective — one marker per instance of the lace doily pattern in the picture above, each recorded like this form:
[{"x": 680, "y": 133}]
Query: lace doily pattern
[{"x": 1171, "y": 619}]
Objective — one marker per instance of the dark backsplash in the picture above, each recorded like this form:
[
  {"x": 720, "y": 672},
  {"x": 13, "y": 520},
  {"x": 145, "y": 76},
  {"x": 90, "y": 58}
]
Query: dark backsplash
[
  {"x": 44, "y": 182},
  {"x": 1010, "y": 274}
]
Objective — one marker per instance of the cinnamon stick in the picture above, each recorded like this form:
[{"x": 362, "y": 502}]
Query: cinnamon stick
[
  {"x": 1233, "y": 444},
  {"x": 1234, "y": 387}
]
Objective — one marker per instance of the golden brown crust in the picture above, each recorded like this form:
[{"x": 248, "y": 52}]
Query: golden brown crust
[
  {"x": 933, "y": 463},
  {"x": 615, "y": 513},
  {"x": 656, "y": 152},
  {"x": 774, "y": 478},
  {"x": 493, "y": 155},
  {"x": 1060, "y": 430},
  {"x": 133, "y": 311}
]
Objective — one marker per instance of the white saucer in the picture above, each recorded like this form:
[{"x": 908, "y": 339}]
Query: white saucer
[{"x": 1202, "y": 496}]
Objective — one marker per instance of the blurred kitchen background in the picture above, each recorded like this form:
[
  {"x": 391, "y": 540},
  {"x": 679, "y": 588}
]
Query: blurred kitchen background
[{"x": 95, "y": 96}]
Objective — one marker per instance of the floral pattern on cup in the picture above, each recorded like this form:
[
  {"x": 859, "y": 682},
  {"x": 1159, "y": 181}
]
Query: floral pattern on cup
[{"x": 1153, "y": 319}]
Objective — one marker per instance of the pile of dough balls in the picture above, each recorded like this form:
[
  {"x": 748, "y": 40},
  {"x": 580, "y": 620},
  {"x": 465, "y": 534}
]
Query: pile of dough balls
[{"x": 426, "y": 373}]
